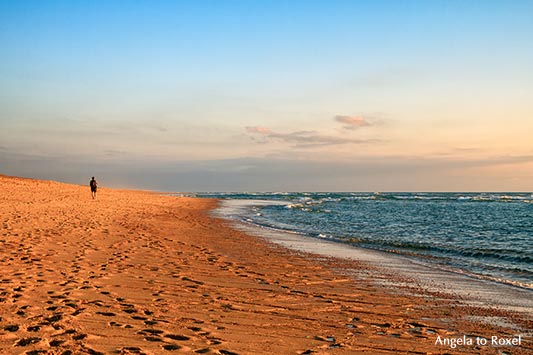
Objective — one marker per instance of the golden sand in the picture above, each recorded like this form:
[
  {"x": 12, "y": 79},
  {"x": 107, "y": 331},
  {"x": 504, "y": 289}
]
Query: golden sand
[{"x": 134, "y": 272}]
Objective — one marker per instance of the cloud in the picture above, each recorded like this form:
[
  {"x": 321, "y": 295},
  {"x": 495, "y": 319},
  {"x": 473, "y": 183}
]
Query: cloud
[
  {"x": 370, "y": 173},
  {"x": 158, "y": 128},
  {"x": 304, "y": 139},
  {"x": 258, "y": 129},
  {"x": 114, "y": 153},
  {"x": 291, "y": 170},
  {"x": 352, "y": 122}
]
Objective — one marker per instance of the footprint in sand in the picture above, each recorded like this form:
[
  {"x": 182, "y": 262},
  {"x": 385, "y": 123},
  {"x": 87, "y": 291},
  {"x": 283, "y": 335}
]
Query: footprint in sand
[
  {"x": 56, "y": 342},
  {"x": 130, "y": 350},
  {"x": 80, "y": 336},
  {"x": 11, "y": 328},
  {"x": 27, "y": 341},
  {"x": 171, "y": 347},
  {"x": 106, "y": 314},
  {"x": 130, "y": 310},
  {"x": 227, "y": 352}
]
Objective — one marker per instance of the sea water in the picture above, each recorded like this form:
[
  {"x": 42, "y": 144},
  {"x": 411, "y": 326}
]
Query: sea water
[{"x": 485, "y": 235}]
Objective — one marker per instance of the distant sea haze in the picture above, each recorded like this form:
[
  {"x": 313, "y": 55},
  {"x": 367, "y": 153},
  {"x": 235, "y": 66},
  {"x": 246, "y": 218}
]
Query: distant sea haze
[{"x": 486, "y": 235}]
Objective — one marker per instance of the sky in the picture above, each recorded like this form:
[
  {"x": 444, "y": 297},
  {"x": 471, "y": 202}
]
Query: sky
[{"x": 269, "y": 95}]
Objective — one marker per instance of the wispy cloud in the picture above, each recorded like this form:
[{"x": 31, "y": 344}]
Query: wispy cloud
[
  {"x": 304, "y": 139},
  {"x": 258, "y": 129},
  {"x": 353, "y": 122}
]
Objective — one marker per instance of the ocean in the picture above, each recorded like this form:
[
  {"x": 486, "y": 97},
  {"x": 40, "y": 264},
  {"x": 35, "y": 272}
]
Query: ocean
[{"x": 484, "y": 235}]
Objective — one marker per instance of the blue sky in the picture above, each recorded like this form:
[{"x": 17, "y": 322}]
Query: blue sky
[{"x": 230, "y": 95}]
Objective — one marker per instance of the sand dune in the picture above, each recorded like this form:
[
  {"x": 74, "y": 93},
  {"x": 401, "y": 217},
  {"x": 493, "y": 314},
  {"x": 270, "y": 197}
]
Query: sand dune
[{"x": 140, "y": 273}]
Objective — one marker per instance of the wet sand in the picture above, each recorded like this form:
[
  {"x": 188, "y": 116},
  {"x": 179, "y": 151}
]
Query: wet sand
[{"x": 135, "y": 272}]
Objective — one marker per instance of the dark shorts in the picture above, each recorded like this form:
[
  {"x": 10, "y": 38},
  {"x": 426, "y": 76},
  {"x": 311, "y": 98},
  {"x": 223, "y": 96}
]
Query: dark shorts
[{"x": 93, "y": 189}]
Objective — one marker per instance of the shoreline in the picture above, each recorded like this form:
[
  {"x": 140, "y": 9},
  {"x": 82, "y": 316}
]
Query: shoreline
[
  {"x": 136, "y": 272},
  {"x": 245, "y": 209},
  {"x": 428, "y": 276},
  {"x": 408, "y": 271}
]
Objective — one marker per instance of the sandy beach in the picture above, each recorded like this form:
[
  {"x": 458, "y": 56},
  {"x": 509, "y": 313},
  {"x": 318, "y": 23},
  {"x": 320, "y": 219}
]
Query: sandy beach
[{"x": 135, "y": 272}]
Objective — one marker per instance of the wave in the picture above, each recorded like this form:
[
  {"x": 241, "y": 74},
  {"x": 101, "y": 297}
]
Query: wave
[
  {"x": 316, "y": 198},
  {"x": 479, "y": 254},
  {"x": 451, "y": 197},
  {"x": 486, "y": 233},
  {"x": 468, "y": 262},
  {"x": 406, "y": 247}
]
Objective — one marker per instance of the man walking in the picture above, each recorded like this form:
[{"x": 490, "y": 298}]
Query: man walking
[{"x": 94, "y": 185}]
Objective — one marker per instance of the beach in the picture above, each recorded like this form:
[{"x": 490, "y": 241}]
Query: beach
[{"x": 139, "y": 272}]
